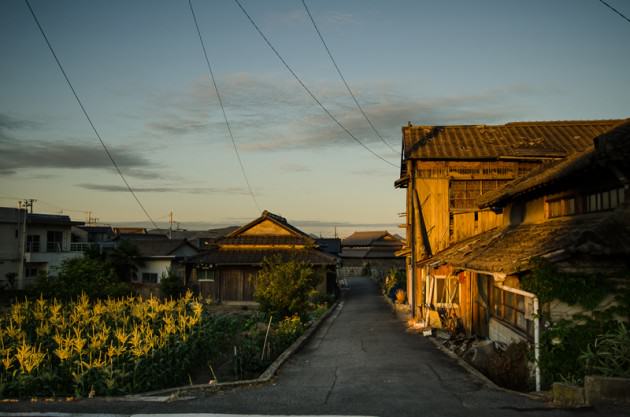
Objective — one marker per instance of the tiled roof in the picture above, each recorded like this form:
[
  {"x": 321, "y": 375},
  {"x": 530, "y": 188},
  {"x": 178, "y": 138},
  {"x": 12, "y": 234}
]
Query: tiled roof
[
  {"x": 265, "y": 240},
  {"x": 371, "y": 238},
  {"x": 256, "y": 256},
  {"x": 613, "y": 145},
  {"x": 512, "y": 249},
  {"x": 542, "y": 175},
  {"x": 369, "y": 253},
  {"x": 162, "y": 247},
  {"x": 279, "y": 220},
  {"x": 522, "y": 139}
]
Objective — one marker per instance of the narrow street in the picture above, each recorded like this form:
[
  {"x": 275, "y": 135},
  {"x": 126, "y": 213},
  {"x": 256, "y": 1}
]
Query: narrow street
[{"x": 360, "y": 362}]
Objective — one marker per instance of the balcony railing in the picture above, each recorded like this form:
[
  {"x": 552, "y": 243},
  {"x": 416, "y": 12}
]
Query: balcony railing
[{"x": 80, "y": 246}]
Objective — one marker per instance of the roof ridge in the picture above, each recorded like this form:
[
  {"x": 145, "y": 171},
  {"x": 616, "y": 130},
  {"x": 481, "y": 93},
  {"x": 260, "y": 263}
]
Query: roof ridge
[{"x": 524, "y": 123}]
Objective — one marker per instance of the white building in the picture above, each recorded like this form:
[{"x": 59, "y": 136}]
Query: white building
[{"x": 39, "y": 242}]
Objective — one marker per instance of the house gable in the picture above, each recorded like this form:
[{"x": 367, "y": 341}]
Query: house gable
[{"x": 267, "y": 228}]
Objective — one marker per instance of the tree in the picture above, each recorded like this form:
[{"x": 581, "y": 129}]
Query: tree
[
  {"x": 171, "y": 285},
  {"x": 94, "y": 277},
  {"x": 284, "y": 288},
  {"x": 124, "y": 260}
]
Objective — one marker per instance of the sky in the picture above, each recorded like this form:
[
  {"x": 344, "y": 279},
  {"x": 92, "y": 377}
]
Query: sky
[{"x": 139, "y": 69}]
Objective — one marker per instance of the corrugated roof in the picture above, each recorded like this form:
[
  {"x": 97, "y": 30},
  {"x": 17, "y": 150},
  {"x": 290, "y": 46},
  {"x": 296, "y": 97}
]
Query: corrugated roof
[
  {"x": 550, "y": 139},
  {"x": 256, "y": 256},
  {"x": 512, "y": 249}
]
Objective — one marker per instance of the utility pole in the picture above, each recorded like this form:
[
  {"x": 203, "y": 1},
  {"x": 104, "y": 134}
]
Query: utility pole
[
  {"x": 90, "y": 219},
  {"x": 170, "y": 224},
  {"x": 23, "y": 209}
]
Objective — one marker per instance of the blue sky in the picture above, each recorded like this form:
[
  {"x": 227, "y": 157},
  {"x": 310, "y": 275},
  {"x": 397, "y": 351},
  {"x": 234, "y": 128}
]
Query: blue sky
[{"x": 139, "y": 69}]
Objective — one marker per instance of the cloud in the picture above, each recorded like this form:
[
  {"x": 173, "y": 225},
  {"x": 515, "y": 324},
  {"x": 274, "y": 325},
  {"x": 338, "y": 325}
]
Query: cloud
[
  {"x": 165, "y": 189},
  {"x": 17, "y": 153},
  {"x": 269, "y": 113},
  {"x": 11, "y": 123},
  {"x": 294, "y": 167}
]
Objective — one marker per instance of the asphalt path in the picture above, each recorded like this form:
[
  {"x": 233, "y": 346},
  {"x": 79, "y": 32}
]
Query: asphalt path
[{"x": 360, "y": 362}]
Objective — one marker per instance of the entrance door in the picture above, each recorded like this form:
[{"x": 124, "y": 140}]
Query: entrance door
[{"x": 481, "y": 305}]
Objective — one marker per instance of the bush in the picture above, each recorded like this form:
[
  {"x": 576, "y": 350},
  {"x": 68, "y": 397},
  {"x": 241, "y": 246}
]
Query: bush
[
  {"x": 285, "y": 288},
  {"x": 90, "y": 276},
  {"x": 171, "y": 285},
  {"x": 394, "y": 280},
  {"x": 609, "y": 355}
]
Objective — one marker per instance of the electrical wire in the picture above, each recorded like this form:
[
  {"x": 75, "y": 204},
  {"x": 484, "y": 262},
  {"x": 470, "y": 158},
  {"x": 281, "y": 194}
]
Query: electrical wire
[
  {"x": 365, "y": 116},
  {"x": 85, "y": 113},
  {"x": 614, "y": 10},
  {"x": 310, "y": 93},
  {"x": 227, "y": 122}
]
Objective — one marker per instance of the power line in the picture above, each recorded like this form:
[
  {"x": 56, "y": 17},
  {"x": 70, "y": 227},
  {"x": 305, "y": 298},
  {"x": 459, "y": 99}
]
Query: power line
[
  {"x": 344, "y": 78},
  {"x": 227, "y": 122},
  {"x": 614, "y": 10},
  {"x": 87, "y": 116},
  {"x": 310, "y": 93}
]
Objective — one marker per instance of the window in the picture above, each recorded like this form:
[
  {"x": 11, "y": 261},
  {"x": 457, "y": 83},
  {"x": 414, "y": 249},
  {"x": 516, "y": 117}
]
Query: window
[
  {"x": 464, "y": 193},
  {"x": 206, "y": 275},
  {"x": 30, "y": 272},
  {"x": 149, "y": 278},
  {"x": 54, "y": 240},
  {"x": 605, "y": 200},
  {"x": 32, "y": 243},
  {"x": 445, "y": 291},
  {"x": 514, "y": 309},
  {"x": 561, "y": 207}
]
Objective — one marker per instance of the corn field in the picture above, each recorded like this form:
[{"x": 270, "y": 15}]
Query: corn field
[{"x": 109, "y": 347}]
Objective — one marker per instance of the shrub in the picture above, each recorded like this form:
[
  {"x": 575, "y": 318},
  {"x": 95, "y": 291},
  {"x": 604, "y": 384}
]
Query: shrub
[
  {"x": 394, "y": 280},
  {"x": 609, "y": 354},
  {"x": 285, "y": 288},
  {"x": 90, "y": 276},
  {"x": 171, "y": 285}
]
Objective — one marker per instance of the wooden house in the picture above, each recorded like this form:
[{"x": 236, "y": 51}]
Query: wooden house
[
  {"x": 226, "y": 271},
  {"x": 372, "y": 252},
  {"x": 446, "y": 169},
  {"x": 573, "y": 213}
]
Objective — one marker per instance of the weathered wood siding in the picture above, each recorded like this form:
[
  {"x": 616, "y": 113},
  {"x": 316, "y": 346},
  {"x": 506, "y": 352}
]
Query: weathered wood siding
[
  {"x": 237, "y": 284},
  {"x": 432, "y": 194}
]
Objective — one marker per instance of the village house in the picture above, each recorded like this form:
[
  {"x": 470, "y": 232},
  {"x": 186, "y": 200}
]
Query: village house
[
  {"x": 157, "y": 259},
  {"x": 446, "y": 169},
  {"x": 572, "y": 214},
  {"x": 371, "y": 252},
  {"x": 225, "y": 272},
  {"x": 34, "y": 243}
]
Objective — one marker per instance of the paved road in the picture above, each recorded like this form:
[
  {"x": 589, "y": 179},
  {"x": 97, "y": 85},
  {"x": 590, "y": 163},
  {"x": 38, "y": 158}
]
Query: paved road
[{"x": 360, "y": 362}]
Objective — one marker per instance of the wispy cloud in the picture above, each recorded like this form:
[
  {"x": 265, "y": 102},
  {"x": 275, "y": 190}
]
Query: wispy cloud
[
  {"x": 270, "y": 113},
  {"x": 164, "y": 189},
  {"x": 294, "y": 167},
  {"x": 17, "y": 153}
]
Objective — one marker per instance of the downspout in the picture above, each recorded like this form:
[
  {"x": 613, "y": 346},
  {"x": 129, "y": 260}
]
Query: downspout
[
  {"x": 537, "y": 342},
  {"x": 412, "y": 239}
]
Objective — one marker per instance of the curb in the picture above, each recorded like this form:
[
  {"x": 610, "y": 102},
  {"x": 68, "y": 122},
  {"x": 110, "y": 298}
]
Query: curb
[
  {"x": 188, "y": 391},
  {"x": 468, "y": 367}
]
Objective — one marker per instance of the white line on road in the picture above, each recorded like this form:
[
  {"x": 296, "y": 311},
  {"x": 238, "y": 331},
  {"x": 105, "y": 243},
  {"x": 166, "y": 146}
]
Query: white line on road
[{"x": 52, "y": 414}]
